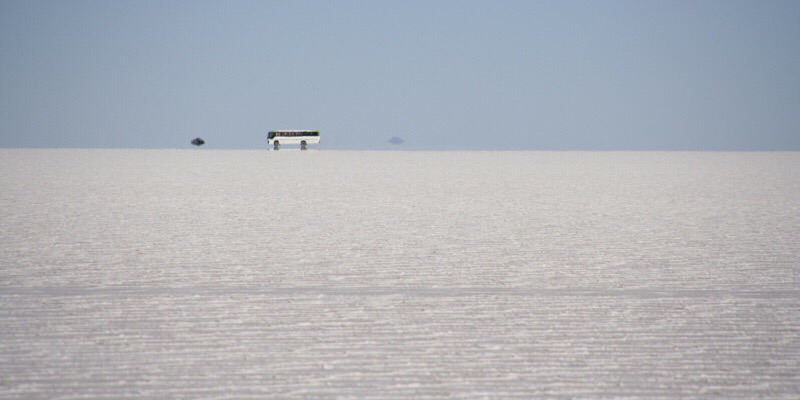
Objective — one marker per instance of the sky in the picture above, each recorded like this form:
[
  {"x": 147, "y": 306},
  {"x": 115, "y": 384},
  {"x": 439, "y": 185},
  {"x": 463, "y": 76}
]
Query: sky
[{"x": 441, "y": 75}]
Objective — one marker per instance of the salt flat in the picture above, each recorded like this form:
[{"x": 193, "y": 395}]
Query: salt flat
[{"x": 333, "y": 274}]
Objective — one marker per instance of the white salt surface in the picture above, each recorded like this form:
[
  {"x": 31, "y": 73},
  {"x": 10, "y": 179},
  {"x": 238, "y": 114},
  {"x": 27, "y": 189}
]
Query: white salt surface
[{"x": 170, "y": 274}]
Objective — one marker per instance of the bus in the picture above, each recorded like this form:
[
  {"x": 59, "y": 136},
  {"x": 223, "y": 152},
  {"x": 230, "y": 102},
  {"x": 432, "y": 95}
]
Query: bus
[{"x": 303, "y": 138}]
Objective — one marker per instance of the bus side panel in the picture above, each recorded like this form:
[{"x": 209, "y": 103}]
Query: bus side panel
[{"x": 295, "y": 140}]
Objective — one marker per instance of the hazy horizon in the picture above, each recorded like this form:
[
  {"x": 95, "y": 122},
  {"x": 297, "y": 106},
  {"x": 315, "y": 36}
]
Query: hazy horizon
[{"x": 444, "y": 75}]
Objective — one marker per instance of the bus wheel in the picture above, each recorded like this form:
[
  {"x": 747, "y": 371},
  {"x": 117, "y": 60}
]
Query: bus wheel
[
  {"x": 303, "y": 145},
  {"x": 276, "y": 144}
]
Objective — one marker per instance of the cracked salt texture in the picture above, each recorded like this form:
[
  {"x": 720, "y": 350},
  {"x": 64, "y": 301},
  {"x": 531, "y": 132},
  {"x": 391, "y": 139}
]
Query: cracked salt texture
[{"x": 325, "y": 274}]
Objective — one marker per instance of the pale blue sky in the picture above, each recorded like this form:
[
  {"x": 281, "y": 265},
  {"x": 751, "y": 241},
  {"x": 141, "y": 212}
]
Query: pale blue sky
[{"x": 534, "y": 75}]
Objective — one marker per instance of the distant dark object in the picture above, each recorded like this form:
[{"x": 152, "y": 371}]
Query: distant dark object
[
  {"x": 396, "y": 140},
  {"x": 198, "y": 142}
]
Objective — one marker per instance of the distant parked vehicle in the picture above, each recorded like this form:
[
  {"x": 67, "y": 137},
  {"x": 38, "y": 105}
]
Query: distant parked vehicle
[{"x": 303, "y": 138}]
